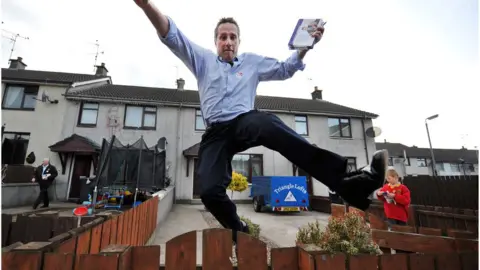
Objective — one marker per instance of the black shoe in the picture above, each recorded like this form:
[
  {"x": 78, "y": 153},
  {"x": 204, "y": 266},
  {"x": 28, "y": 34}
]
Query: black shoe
[{"x": 357, "y": 186}]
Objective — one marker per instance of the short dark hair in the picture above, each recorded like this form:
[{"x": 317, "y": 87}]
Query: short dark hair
[{"x": 226, "y": 20}]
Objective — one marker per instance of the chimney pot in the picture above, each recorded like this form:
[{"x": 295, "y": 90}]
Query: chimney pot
[
  {"x": 101, "y": 70},
  {"x": 17, "y": 63},
  {"x": 317, "y": 94},
  {"x": 180, "y": 84}
]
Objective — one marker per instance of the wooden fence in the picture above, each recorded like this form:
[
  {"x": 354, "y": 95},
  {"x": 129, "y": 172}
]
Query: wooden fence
[
  {"x": 446, "y": 191},
  {"x": 442, "y": 218},
  {"x": 181, "y": 254},
  {"x": 133, "y": 227}
]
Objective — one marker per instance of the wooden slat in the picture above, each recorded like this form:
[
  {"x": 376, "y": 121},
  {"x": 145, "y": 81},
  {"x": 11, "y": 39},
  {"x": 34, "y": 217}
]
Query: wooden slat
[
  {"x": 58, "y": 261},
  {"x": 376, "y": 222},
  {"x": 465, "y": 244},
  {"x": 69, "y": 246},
  {"x": 119, "y": 238},
  {"x": 217, "y": 249},
  {"x": 18, "y": 232},
  {"x": 22, "y": 260},
  {"x": 448, "y": 261},
  {"x": 338, "y": 210},
  {"x": 124, "y": 254},
  {"x": 430, "y": 231},
  {"x": 284, "y": 258},
  {"x": 394, "y": 262},
  {"x": 134, "y": 231},
  {"x": 363, "y": 262},
  {"x": 113, "y": 230},
  {"x": 83, "y": 246},
  {"x": 39, "y": 228},
  {"x": 106, "y": 230},
  {"x": 330, "y": 262},
  {"x": 126, "y": 227},
  {"x": 469, "y": 260},
  {"x": 252, "y": 253},
  {"x": 460, "y": 234},
  {"x": 96, "y": 239},
  {"x": 6, "y": 226},
  {"x": 64, "y": 224},
  {"x": 147, "y": 258},
  {"x": 98, "y": 261},
  {"x": 413, "y": 242},
  {"x": 401, "y": 228},
  {"x": 181, "y": 252},
  {"x": 11, "y": 247},
  {"x": 305, "y": 260},
  {"x": 421, "y": 261}
]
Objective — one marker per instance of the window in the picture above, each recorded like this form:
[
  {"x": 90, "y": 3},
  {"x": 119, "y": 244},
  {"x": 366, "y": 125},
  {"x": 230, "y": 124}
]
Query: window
[
  {"x": 88, "y": 114},
  {"x": 248, "y": 165},
  {"x": 421, "y": 162},
  {"x": 137, "y": 117},
  {"x": 455, "y": 167},
  {"x": 301, "y": 124},
  {"x": 351, "y": 164},
  {"x": 20, "y": 97},
  {"x": 199, "y": 124},
  {"x": 390, "y": 161},
  {"x": 339, "y": 127},
  {"x": 14, "y": 147},
  {"x": 440, "y": 167}
]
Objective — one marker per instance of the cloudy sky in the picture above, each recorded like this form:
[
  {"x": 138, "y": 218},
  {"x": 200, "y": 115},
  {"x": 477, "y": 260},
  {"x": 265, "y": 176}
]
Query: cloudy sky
[{"x": 402, "y": 59}]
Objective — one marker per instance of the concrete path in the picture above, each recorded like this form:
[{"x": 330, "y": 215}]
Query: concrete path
[
  {"x": 182, "y": 219},
  {"x": 281, "y": 228}
]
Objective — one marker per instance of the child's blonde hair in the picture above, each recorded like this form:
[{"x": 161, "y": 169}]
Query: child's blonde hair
[{"x": 392, "y": 172}]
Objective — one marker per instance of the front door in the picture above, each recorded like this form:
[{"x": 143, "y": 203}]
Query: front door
[
  {"x": 197, "y": 188},
  {"x": 81, "y": 167},
  {"x": 309, "y": 180}
]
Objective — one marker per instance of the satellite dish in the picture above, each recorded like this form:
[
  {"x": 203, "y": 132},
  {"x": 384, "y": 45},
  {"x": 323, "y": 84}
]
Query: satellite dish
[
  {"x": 162, "y": 143},
  {"x": 373, "y": 132}
]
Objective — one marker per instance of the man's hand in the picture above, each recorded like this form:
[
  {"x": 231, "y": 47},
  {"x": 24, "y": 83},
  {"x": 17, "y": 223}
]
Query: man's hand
[
  {"x": 142, "y": 3},
  {"x": 318, "y": 33},
  {"x": 33, "y": 180}
]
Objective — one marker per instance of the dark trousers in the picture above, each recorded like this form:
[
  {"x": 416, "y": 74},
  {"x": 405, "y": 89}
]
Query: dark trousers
[
  {"x": 222, "y": 141},
  {"x": 43, "y": 195},
  {"x": 392, "y": 221}
]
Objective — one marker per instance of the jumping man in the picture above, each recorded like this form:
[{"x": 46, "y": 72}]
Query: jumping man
[{"x": 227, "y": 85}]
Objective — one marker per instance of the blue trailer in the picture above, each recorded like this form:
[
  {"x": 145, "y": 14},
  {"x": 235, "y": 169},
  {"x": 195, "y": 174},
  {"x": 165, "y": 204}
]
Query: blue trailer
[{"x": 280, "y": 193}]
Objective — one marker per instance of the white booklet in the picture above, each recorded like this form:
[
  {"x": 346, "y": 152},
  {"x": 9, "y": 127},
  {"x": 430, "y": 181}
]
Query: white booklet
[{"x": 301, "y": 37}]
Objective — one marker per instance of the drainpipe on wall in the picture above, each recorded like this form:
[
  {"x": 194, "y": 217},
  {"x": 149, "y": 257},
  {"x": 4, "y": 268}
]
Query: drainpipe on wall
[
  {"x": 178, "y": 159},
  {"x": 365, "y": 138}
]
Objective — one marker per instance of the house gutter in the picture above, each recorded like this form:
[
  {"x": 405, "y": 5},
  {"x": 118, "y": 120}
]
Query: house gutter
[
  {"x": 365, "y": 138},
  {"x": 192, "y": 105}
]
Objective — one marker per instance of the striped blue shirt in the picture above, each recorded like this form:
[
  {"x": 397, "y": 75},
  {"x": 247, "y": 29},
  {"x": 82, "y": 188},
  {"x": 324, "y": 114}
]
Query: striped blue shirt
[{"x": 227, "y": 91}]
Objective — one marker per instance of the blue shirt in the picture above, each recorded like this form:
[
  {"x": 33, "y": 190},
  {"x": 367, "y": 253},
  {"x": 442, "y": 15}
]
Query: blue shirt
[{"x": 227, "y": 91}]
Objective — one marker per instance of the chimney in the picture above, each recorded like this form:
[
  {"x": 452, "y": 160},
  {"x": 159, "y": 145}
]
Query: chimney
[
  {"x": 180, "y": 84},
  {"x": 101, "y": 70},
  {"x": 317, "y": 94},
  {"x": 17, "y": 63}
]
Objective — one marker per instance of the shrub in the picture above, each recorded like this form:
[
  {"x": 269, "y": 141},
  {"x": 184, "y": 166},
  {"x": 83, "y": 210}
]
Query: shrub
[
  {"x": 254, "y": 228},
  {"x": 348, "y": 234},
  {"x": 239, "y": 183}
]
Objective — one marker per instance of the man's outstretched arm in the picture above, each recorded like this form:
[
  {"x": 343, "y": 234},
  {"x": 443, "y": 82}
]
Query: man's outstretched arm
[
  {"x": 190, "y": 53},
  {"x": 270, "y": 69}
]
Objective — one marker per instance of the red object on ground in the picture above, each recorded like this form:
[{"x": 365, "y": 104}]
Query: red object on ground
[{"x": 80, "y": 211}]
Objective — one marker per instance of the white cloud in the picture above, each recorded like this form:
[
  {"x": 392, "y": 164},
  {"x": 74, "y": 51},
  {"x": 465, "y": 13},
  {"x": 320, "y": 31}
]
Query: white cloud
[{"x": 402, "y": 60}]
